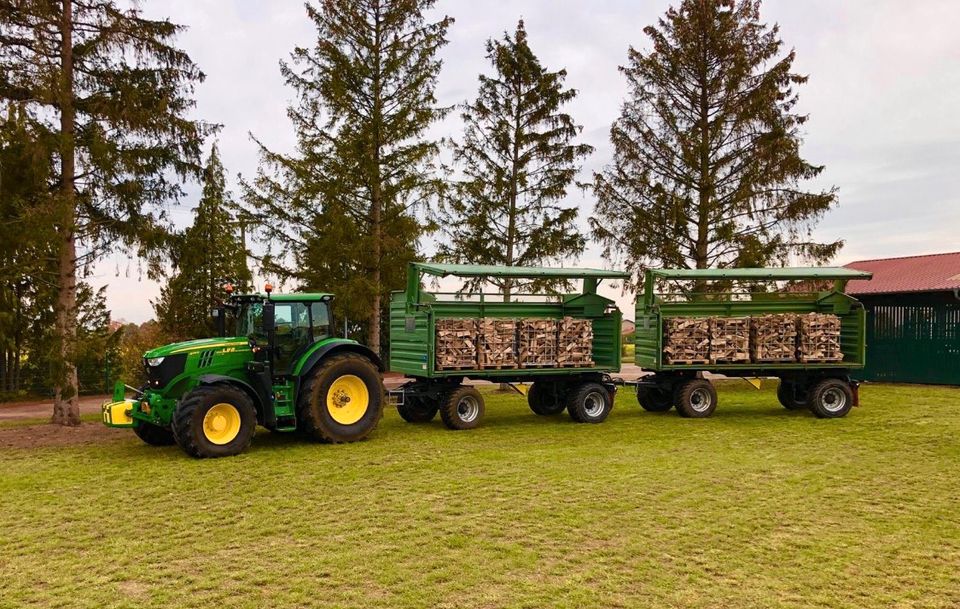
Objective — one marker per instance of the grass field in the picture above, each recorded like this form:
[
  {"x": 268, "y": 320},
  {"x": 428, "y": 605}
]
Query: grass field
[{"x": 756, "y": 507}]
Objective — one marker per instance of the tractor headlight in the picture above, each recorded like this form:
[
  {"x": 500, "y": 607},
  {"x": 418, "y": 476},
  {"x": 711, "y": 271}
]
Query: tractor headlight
[{"x": 154, "y": 361}]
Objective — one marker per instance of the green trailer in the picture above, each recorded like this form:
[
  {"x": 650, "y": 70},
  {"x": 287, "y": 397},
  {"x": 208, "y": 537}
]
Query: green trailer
[
  {"x": 828, "y": 389},
  {"x": 585, "y": 392}
]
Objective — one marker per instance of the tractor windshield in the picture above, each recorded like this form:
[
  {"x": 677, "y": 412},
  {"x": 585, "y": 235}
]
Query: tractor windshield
[{"x": 250, "y": 321}]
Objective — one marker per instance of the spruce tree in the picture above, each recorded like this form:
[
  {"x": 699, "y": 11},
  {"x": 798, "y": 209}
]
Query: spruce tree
[
  {"x": 209, "y": 254},
  {"x": 707, "y": 169},
  {"x": 518, "y": 158},
  {"x": 342, "y": 211},
  {"x": 116, "y": 92}
]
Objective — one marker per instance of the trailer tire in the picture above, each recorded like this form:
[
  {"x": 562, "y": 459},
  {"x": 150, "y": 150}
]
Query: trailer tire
[
  {"x": 545, "y": 399},
  {"x": 787, "y": 396},
  {"x": 417, "y": 409},
  {"x": 589, "y": 403},
  {"x": 654, "y": 399},
  {"x": 341, "y": 399},
  {"x": 831, "y": 398},
  {"x": 154, "y": 435},
  {"x": 214, "y": 421},
  {"x": 695, "y": 398},
  {"x": 462, "y": 408}
]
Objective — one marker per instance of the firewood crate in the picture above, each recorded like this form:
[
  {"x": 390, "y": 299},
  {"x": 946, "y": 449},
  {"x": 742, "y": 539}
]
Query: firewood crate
[
  {"x": 729, "y": 340},
  {"x": 773, "y": 338},
  {"x": 575, "y": 342},
  {"x": 497, "y": 342},
  {"x": 686, "y": 340},
  {"x": 537, "y": 343},
  {"x": 819, "y": 338},
  {"x": 456, "y": 344}
]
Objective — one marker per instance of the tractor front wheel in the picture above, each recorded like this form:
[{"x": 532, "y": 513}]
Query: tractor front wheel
[
  {"x": 154, "y": 435},
  {"x": 214, "y": 421},
  {"x": 341, "y": 399}
]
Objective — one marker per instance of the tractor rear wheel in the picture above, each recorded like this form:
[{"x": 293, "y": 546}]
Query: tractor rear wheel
[
  {"x": 654, "y": 399},
  {"x": 341, "y": 399},
  {"x": 417, "y": 409},
  {"x": 214, "y": 421},
  {"x": 589, "y": 403},
  {"x": 462, "y": 408},
  {"x": 546, "y": 399},
  {"x": 154, "y": 435}
]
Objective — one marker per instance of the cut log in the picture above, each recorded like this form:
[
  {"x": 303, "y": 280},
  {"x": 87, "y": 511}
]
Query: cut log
[
  {"x": 575, "y": 338},
  {"x": 538, "y": 343},
  {"x": 686, "y": 340},
  {"x": 456, "y": 344},
  {"x": 729, "y": 340},
  {"x": 497, "y": 340},
  {"x": 819, "y": 338},
  {"x": 773, "y": 338}
]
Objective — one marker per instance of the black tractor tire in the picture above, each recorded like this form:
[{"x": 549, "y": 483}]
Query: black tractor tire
[
  {"x": 787, "y": 396},
  {"x": 695, "y": 398},
  {"x": 462, "y": 408},
  {"x": 654, "y": 399},
  {"x": 196, "y": 433},
  {"x": 830, "y": 398},
  {"x": 418, "y": 409},
  {"x": 154, "y": 435},
  {"x": 546, "y": 399},
  {"x": 316, "y": 419},
  {"x": 589, "y": 403}
]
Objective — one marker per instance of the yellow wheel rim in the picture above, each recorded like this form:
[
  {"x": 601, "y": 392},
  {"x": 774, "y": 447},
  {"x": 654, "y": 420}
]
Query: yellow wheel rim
[
  {"x": 221, "y": 424},
  {"x": 348, "y": 399}
]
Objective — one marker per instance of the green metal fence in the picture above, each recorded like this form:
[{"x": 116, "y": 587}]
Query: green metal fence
[{"x": 913, "y": 338}]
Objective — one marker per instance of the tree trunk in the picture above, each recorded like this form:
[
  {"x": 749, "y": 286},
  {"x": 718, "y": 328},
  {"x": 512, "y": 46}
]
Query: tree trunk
[{"x": 66, "y": 406}]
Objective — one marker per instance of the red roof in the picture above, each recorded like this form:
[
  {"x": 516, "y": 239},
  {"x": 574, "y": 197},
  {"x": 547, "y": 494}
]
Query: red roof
[{"x": 931, "y": 273}]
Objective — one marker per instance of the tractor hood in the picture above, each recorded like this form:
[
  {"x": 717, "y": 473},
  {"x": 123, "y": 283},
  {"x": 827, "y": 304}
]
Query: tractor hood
[{"x": 201, "y": 344}]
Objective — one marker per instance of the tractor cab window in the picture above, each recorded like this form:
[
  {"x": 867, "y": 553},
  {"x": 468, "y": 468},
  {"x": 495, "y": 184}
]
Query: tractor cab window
[
  {"x": 250, "y": 322},
  {"x": 320, "y": 317}
]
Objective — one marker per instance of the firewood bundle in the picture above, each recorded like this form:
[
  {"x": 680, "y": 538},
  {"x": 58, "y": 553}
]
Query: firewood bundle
[
  {"x": 819, "y": 338},
  {"x": 773, "y": 338},
  {"x": 686, "y": 340},
  {"x": 729, "y": 340},
  {"x": 497, "y": 343},
  {"x": 575, "y": 338},
  {"x": 538, "y": 343},
  {"x": 456, "y": 345}
]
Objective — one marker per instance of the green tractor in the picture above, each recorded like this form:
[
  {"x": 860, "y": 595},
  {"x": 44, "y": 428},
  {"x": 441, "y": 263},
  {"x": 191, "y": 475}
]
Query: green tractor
[{"x": 281, "y": 369}]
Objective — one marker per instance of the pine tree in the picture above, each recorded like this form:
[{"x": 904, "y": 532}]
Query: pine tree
[
  {"x": 707, "y": 169},
  {"x": 343, "y": 209},
  {"x": 209, "y": 255},
  {"x": 116, "y": 92},
  {"x": 518, "y": 158}
]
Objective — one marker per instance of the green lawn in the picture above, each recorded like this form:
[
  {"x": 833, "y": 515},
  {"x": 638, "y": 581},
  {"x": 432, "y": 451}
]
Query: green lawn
[{"x": 757, "y": 507}]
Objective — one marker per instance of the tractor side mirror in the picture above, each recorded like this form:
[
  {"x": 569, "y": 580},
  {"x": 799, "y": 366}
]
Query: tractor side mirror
[{"x": 219, "y": 320}]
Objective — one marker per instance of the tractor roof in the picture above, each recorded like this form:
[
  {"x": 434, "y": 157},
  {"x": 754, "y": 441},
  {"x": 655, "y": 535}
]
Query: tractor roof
[{"x": 294, "y": 297}]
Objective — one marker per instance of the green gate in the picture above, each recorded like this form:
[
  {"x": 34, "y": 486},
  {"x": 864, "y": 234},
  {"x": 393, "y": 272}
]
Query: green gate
[{"x": 913, "y": 338}]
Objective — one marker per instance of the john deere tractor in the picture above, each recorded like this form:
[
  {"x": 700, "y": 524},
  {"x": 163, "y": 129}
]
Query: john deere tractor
[{"x": 280, "y": 368}]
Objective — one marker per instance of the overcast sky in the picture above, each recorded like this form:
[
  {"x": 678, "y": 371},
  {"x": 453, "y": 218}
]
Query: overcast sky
[{"x": 883, "y": 96}]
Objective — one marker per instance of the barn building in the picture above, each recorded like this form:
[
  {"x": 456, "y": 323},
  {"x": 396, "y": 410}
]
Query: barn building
[{"x": 913, "y": 318}]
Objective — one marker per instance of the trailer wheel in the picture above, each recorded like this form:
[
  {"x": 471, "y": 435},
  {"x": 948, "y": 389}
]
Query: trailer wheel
[
  {"x": 214, "y": 421},
  {"x": 831, "y": 398},
  {"x": 341, "y": 399},
  {"x": 787, "y": 395},
  {"x": 545, "y": 399},
  {"x": 589, "y": 403},
  {"x": 417, "y": 409},
  {"x": 154, "y": 435},
  {"x": 462, "y": 408},
  {"x": 696, "y": 398},
  {"x": 654, "y": 399}
]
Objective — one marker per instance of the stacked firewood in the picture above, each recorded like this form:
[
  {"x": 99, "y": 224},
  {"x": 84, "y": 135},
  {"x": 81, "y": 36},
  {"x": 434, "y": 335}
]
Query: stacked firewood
[
  {"x": 729, "y": 340},
  {"x": 575, "y": 338},
  {"x": 773, "y": 338},
  {"x": 686, "y": 340},
  {"x": 538, "y": 343},
  {"x": 497, "y": 343},
  {"x": 456, "y": 345},
  {"x": 819, "y": 338}
]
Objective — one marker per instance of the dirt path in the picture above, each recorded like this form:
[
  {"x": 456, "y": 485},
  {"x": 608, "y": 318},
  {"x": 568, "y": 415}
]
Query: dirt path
[{"x": 41, "y": 409}]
